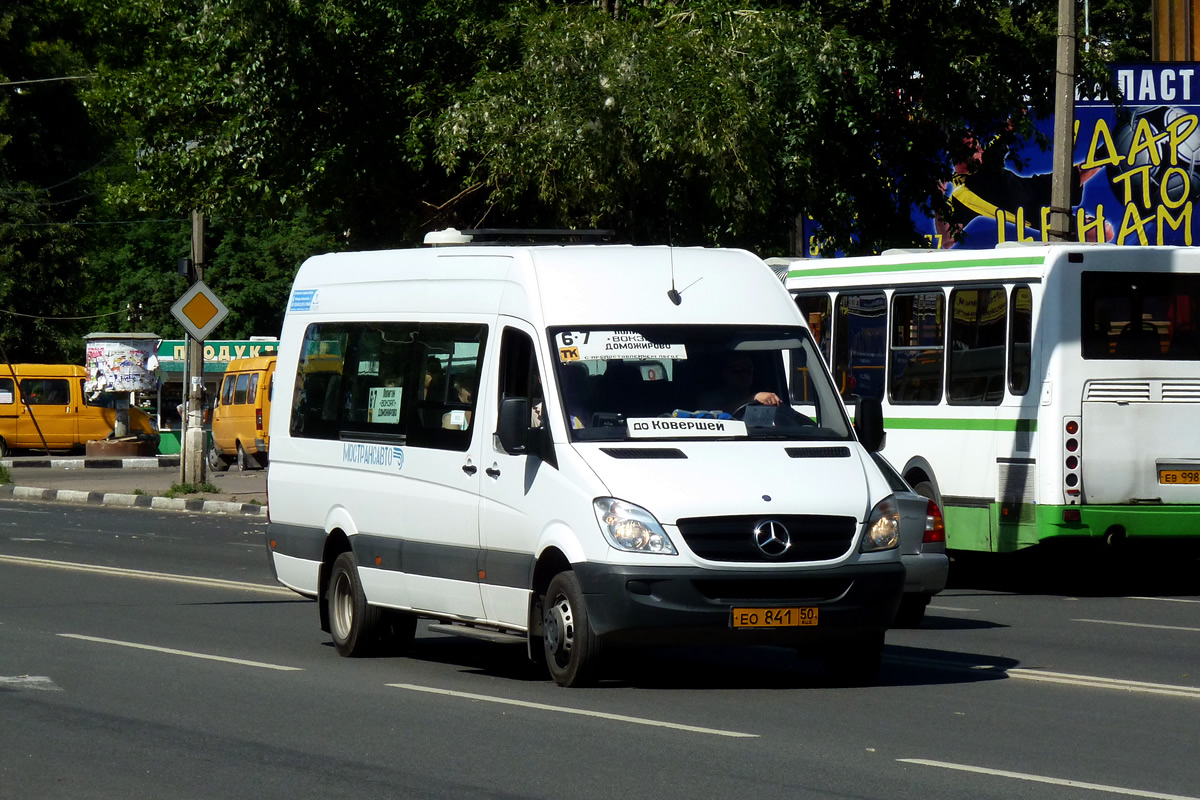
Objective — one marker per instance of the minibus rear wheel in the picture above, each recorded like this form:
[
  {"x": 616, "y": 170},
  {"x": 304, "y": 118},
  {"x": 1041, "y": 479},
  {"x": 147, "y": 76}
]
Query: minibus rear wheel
[
  {"x": 215, "y": 462},
  {"x": 4, "y": 451},
  {"x": 356, "y": 627},
  {"x": 571, "y": 646}
]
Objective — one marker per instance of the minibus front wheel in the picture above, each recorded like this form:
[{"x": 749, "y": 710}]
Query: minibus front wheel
[{"x": 571, "y": 646}]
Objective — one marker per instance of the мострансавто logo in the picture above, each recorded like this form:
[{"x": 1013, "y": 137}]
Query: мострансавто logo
[{"x": 373, "y": 455}]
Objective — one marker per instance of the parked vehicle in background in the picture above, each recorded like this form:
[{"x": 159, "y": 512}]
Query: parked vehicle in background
[
  {"x": 1035, "y": 392},
  {"x": 584, "y": 446},
  {"x": 241, "y": 417},
  {"x": 922, "y": 547},
  {"x": 44, "y": 407}
]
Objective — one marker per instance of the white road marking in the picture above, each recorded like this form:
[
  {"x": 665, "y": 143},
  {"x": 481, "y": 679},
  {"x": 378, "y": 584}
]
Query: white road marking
[
  {"x": 173, "y": 652},
  {"x": 578, "y": 711},
  {"x": 149, "y": 576},
  {"x": 949, "y": 608},
  {"x": 1138, "y": 625},
  {"x": 1166, "y": 599},
  {"x": 1023, "y": 776},
  {"x": 1043, "y": 676},
  {"x": 30, "y": 682}
]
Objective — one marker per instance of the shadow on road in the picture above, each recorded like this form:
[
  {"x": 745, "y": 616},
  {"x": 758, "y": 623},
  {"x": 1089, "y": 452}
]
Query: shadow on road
[{"x": 1082, "y": 568}]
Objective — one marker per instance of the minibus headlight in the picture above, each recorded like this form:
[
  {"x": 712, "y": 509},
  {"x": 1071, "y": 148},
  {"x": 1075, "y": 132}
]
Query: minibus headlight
[
  {"x": 883, "y": 527},
  {"x": 631, "y": 528}
]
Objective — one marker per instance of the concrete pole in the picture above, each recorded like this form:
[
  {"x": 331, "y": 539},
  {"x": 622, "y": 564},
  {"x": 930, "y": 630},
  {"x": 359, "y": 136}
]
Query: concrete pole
[
  {"x": 1064, "y": 125},
  {"x": 192, "y": 462}
]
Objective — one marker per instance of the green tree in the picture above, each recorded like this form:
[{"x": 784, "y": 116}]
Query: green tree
[
  {"x": 246, "y": 107},
  {"x": 49, "y": 149}
]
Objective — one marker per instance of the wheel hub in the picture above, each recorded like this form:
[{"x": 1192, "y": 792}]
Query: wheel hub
[{"x": 559, "y": 628}]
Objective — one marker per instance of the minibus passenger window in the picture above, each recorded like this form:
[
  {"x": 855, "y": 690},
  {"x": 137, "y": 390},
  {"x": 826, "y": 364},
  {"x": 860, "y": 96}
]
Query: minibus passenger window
[
  {"x": 7, "y": 395},
  {"x": 243, "y": 383},
  {"x": 252, "y": 393},
  {"x": 227, "y": 390}
]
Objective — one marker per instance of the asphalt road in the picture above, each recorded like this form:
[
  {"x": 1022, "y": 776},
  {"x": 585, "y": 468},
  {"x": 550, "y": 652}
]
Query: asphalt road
[{"x": 147, "y": 654}]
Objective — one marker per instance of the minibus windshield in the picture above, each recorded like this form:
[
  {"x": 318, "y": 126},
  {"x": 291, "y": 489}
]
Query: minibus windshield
[{"x": 695, "y": 381}]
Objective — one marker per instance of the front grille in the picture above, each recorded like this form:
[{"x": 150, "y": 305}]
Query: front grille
[
  {"x": 734, "y": 590},
  {"x": 814, "y": 537}
]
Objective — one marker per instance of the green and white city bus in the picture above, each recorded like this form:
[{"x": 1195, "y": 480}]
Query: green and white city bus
[{"x": 1033, "y": 392}]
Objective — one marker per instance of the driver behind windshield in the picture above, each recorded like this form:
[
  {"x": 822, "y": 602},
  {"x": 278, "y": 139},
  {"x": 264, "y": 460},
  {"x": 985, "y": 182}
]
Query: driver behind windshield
[{"x": 736, "y": 387}]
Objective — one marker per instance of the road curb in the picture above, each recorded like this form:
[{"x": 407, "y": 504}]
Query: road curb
[
  {"x": 198, "y": 505},
  {"x": 144, "y": 462}
]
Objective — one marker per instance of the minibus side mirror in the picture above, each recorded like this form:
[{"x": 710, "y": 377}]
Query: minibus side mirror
[
  {"x": 868, "y": 423},
  {"x": 513, "y": 430}
]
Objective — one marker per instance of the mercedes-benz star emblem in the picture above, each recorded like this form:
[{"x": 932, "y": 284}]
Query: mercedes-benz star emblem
[{"x": 772, "y": 538}]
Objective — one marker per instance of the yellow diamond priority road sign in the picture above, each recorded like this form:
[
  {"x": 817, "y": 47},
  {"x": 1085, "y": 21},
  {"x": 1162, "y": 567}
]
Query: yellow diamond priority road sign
[{"x": 199, "y": 310}]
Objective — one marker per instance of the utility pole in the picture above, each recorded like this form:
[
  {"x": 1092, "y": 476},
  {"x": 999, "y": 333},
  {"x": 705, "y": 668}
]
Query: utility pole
[
  {"x": 1064, "y": 125},
  {"x": 192, "y": 462}
]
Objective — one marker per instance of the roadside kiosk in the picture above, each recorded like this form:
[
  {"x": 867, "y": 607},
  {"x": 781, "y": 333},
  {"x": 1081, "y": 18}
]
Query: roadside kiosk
[{"x": 217, "y": 355}]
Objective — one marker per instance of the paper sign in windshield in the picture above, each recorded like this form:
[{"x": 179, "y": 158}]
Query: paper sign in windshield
[
  {"x": 660, "y": 427},
  {"x": 603, "y": 345}
]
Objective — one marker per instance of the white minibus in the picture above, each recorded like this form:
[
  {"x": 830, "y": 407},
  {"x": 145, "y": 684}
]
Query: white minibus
[
  {"x": 1037, "y": 393},
  {"x": 585, "y": 446}
]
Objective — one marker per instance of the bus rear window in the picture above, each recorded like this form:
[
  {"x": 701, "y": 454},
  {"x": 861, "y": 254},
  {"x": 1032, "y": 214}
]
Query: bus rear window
[{"x": 1140, "y": 315}]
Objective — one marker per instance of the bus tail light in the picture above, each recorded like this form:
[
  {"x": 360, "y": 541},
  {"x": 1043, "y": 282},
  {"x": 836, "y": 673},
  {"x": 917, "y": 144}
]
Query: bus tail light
[
  {"x": 935, "y": 524},
  {"x": 1072, "y": 460},
  {"x": 258, "y": 418}
]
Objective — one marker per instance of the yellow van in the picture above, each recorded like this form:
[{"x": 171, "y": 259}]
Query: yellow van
[
  {"x": 44, "y": 407},
  {"x": 241, "y": 417}
]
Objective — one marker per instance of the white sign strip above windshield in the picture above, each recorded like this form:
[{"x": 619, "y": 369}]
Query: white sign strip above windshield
[
  {"x": 602, "y": 345},
  {"x": 662, "y": 427}
]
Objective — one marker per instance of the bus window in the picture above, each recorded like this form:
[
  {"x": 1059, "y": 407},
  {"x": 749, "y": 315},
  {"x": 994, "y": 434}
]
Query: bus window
[
  {"x": 978, "y": 325},
  {"x": 1020, "y": 340},
  {"x": 860, "y": 344},
  {"x": 1140, "y": 315},
  {"x": 815, "y": 308},
  {"x": 917, "y": 355}
]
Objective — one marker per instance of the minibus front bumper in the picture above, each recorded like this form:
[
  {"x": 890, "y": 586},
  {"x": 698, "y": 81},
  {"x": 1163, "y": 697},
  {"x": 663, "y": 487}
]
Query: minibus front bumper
[{"x": 687, "y": 605}]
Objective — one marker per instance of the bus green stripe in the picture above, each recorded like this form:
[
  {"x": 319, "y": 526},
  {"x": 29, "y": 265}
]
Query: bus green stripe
[
  {"x": 922, "y": 424},
  {"x": 1019, "y": 261}
]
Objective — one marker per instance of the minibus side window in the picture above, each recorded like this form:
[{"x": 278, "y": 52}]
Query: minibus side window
[
  {"x": 227, "y": 390},
  {"x": 315, "y": 402},
  {"x": 239, "y": 394},
  {"x": 7, "y": 395},
  {"x": 252, "y": 392},
  {"x": 450, "y": 360},
  {"x": 519, "y": 376},
  {"x": 46, "y": 391}
]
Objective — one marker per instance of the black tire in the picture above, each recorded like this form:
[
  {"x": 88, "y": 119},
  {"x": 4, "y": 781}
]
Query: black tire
[
  {"x": 925, "y": 489},
  {"x": 242, "y": 461},
  {"x": 571, "y": 647},
  {"x": 855, "y": 662},
  {"x": 216, "y": 462},
  {"x": 911, "y": 611},
  {"x": 4, "y": 451},
  {"x": 356, "y": 627}
]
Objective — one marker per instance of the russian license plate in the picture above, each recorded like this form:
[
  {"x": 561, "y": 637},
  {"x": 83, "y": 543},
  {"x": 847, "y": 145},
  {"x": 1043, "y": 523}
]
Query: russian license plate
[
  {"x": 1179, "y": 476},
  {"x": 784, "y": 617}
]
